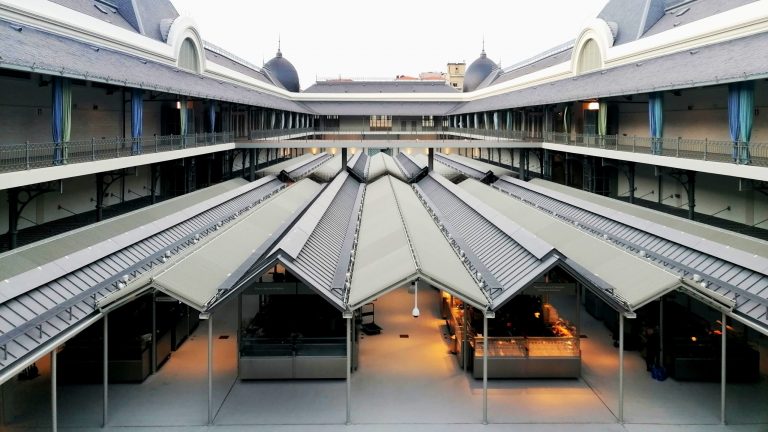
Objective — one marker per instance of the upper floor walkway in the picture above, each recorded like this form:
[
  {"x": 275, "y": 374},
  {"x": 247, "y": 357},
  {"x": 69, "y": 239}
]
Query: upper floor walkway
[{"x": 51, "y": 161}]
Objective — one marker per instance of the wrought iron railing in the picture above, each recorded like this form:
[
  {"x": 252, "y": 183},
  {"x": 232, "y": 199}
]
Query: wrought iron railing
[{"x": 19, "y": 157}]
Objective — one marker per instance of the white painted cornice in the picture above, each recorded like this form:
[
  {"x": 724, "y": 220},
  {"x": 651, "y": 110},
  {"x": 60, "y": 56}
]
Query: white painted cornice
[{"x": 739, "y": 22}]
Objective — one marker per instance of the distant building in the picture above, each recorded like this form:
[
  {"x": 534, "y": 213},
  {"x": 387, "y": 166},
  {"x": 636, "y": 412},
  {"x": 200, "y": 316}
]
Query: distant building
[{"x": 456, "y": 75}]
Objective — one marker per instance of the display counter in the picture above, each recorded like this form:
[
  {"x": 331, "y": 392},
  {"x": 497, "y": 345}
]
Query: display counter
[
  {"x": 535, "y": 357},
  {"x": 293, "y": 358}
]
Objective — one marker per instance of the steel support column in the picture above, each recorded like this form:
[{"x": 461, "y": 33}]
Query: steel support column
[
  {"x": 99, "y": 197},
  {"x": 210, "y": 369},
  {"x": 485, "y": 369},
  {"x": 431, "y": 159},
  {"x": 631, "y": 178},
  {"x": 252, "y": 158},
  {"x": 154, "y": 334},
  {"x": 13, "y": 218},
  {"x": 344, "y": 157},
  {"x": 349, "y": 369},
  {"x": 105, "y": 371},
  {"x": 54, "y": 401},
  {"x": 621, "y": 367},
  {"x": 464, "y": 339},
  {"x": 691, "y": 189},
  {"x": 661, "y": 331},
  {"x": 723, "y": 329}
]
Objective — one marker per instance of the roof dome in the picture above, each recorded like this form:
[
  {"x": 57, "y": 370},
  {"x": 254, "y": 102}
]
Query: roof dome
[
  {"x": 478, "y": 71},
  {"x": 282, "y": 70}
]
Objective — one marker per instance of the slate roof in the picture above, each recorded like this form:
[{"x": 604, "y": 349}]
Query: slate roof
[
  {"x": 426, "y": 86},
  {"x": 725, "y": 62},
  {"x": 44, "y": 52}
]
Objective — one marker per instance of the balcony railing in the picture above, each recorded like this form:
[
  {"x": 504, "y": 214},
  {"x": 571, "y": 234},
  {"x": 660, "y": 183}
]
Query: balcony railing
[
  {"x": 753, "y": 153},
  {"x": 19, "y": 157},
  {"x": 699, "y": 149}
]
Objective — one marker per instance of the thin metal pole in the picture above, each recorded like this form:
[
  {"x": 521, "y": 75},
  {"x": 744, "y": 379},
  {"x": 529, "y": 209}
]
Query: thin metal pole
[
  {"x": 485, "y": 369},
  {"x": 54, "y": 408},
  {"x": 349, "y": 370},
  {"x": 106, "y": 371},
  {"x": 722, "y": 370},
  {"x": 465, "y": 339},
  {"x": 621, "y": 367},
  {"x": 210, "y": 370},
  {"x": 661, "y": 332},
  {"x": 154, "y": 333}
]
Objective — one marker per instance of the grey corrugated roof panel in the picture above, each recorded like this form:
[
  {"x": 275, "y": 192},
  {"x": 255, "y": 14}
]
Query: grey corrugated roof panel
[
  {"x": 696, "y": 10},
  {"x": 708, "y": 65},
  {"x": 399, "y": 242},
  {"x": 44, "y": 52},
  {"x": 408, "y": 165},
  {"x": 94, "y": 240},
  {"x": 438, "y": 168},
  {"x": 304, "y": 168},
  {"x": 459, "y": 166},
  {"x": 206, "y": 276},
  {"x": 294, "y": 241},
  {"x": 712, "y": 241},
  {"x": 508, "y": 257},
  {"x": 326, "y": 253},
  {"x": 427, "y": 86},
  {"x": 354, "y": 108},
  {"x": 477, "y": 165},
  {"x": 328, "y": 170},
  {"x": 635, "y": 281},
  {"x": 725, "y": 269},
  {"x": 48, "y": 311},
  {"x": 88, "y": 7},
  {"x": 382, "y": 164},
  {"x": 278, "y": 167}
]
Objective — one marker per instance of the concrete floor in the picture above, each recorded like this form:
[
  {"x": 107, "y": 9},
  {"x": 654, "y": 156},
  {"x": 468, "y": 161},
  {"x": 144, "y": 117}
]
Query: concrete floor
[{"x": 412, "y": 381}]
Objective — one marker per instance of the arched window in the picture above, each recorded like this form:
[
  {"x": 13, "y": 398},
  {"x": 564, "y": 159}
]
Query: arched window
[
  {"x": 590, "y": 57},
  {"x": 188, "y": 59}
]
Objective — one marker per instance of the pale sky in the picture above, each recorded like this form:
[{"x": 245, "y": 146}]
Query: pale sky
[{"x": 364, "y": 39}]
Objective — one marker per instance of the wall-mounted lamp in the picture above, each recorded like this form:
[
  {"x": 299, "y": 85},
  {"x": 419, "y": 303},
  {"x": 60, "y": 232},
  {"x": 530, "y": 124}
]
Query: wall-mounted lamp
[{"x": 593, "y": 106}]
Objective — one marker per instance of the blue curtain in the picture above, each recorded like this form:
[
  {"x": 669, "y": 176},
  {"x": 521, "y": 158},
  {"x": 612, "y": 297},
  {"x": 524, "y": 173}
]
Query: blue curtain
[
  {"x": 656, "y": 121},
  {"x": 746, "y": 118},
  {"x": 57, "y": 119},
  {"x": 212, "y": 116},
  {"x": 733, "y": 117},
  {"x": 137, "y": 119}
]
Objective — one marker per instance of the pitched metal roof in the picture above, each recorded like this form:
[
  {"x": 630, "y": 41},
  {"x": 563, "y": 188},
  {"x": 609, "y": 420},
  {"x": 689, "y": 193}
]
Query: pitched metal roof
[
  {"x": 207, "y": 275},
  {"x": 720, "y": 63},
  {"x": 382, "y": 164},
  {"x": 398, "y": 243},
  {"x": 367, "y": 108},
  {"x": 410, "y": 168},
  {"x": 358, "y": 166},
  {"x": 318, "y": 247},
  {"x": 43, "y": 52},
  {"x": 59, "y": 255},
  {"x": 622, "y": 279},
  {"x": 305, "y": 167},
  {"x": 692, "y": 11},
  {"x": 507, "y": 257},
  {"x": 438, "y": 168},
  {"x": 52, "y": 309},
  {"x": 726, "y": 270},
  {"x": 427, "y": 86},
  {"x": 466, "y": 166}
]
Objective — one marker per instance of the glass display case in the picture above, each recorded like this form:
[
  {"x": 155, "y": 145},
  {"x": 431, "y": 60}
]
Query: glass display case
[{"x": 535, "y": 357}]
